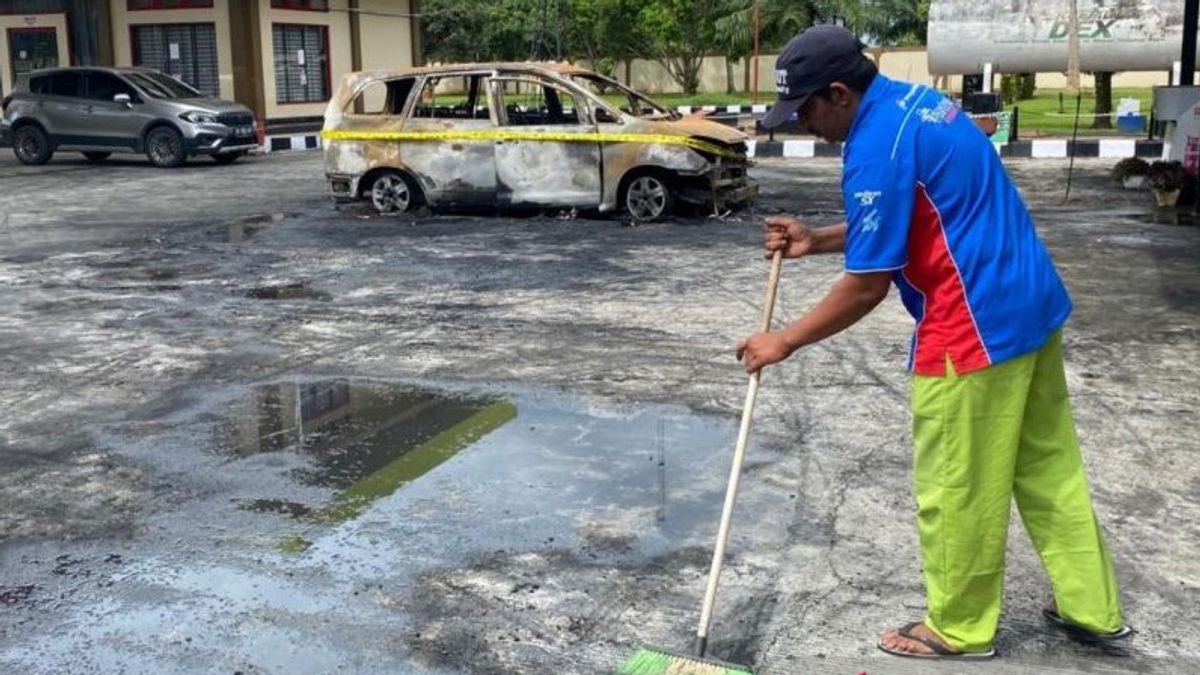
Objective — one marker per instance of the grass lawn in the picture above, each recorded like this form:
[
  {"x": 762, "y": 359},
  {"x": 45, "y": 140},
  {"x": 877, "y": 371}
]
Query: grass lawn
[
  {"x": 1043, "y": 116},
  {"x": 1040, "y": 115}
]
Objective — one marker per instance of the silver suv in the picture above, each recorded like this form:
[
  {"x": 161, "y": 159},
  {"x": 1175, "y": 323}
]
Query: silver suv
[{"x": 99, "y": 111}]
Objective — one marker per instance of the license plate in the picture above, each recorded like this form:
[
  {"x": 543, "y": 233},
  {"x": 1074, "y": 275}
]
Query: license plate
[{"x": 243, "y": 131}]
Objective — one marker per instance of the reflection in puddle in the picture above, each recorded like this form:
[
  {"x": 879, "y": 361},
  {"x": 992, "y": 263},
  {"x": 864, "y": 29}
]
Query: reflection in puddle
[{"x": 365, "y": 439}]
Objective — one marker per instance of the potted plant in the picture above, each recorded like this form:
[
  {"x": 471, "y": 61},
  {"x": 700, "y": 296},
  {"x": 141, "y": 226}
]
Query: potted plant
[
  {"x": 1132, "y": 172},
  {"x": 1167, "y": 179}
]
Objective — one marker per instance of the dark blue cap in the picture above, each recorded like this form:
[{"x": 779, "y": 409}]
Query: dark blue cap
[{"x": 810, "y": 62}]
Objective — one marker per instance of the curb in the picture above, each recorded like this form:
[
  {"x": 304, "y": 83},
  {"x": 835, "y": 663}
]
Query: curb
[
  {"x": 1115, "y": 148},
  {"x": 292, "y": 142},
  {"x": 1041, "y": 149}
]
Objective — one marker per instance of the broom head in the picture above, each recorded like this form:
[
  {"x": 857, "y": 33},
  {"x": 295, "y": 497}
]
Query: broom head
[{"x": 655, "y": 661}]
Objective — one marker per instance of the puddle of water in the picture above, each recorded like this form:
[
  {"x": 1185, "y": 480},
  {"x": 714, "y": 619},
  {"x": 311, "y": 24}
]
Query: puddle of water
[
  {"x": 527, "y": 476},
  {"x": 363, "y": 439},
  {"x": 140, "y": 288},
  {"x": 296, "y": 291},
  {"x": 239, "y": 232},
  {"x": 152, "y": 274},
  {"x": 248, "y": 228}
]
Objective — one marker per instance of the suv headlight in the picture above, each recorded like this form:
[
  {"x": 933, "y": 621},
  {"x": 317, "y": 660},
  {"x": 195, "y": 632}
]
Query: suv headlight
[{"x": 198, "y": 117}]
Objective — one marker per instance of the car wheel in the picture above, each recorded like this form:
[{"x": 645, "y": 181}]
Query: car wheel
[
  {"x": 228, "y": 158},
  {"x": 164, "y": 147},
  {"x": 647, "y": 198},
  {"x": 97, "y": 156},
  {"x": 391, "y": 193},
  {"x": 31, "y": 145}
]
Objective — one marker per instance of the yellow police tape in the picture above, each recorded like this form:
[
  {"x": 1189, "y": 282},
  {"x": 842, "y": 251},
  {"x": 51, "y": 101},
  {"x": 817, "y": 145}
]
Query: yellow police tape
[{"x": 662, "y": 139}]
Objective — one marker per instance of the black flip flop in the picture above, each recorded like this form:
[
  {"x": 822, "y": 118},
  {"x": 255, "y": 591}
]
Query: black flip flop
[
  {"x": 940, "y": 651},
  {"x": 1081, "y": 633}
]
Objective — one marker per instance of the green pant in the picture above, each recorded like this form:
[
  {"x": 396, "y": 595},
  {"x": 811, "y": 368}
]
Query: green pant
[{"x": 980, "y": 440}]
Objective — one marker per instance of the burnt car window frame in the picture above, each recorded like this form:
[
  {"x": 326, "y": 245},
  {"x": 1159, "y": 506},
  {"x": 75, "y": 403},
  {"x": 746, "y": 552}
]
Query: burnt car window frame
[
  {"x": 387, "y": 82},
  {"x": 485, "y": 78},
  {"x": 584, "y": 112}
]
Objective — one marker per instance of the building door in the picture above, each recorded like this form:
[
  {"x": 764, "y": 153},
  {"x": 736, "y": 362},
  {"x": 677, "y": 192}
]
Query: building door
[
  {"x": 186, "y": 51},
  {"x": 32, "y": 48}
]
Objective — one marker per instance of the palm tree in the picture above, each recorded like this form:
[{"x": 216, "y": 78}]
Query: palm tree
[{"x": 778, "y": 20}]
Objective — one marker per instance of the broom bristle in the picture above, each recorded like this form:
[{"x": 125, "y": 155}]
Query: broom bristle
[{"x": 651, "y": 661}]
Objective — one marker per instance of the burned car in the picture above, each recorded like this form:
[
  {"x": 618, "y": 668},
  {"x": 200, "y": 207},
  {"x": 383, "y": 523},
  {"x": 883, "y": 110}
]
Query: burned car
[{"x": 524, "y": 135}]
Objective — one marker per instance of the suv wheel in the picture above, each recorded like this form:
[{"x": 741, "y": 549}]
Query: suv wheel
[
  {"x": 647, "y": 198},
  {"x": 31, "y": 145},
  {"x": 97, "y": 156},
  {"x": 164, "y": 147}
]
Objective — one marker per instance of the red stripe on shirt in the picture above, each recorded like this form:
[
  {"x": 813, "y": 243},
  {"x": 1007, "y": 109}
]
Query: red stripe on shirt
[{"x": 946, "y": 327}]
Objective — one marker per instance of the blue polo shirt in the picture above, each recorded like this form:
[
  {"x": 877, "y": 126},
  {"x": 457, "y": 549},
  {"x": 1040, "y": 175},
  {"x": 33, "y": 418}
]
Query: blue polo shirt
[{"x": 928, "y": 200}]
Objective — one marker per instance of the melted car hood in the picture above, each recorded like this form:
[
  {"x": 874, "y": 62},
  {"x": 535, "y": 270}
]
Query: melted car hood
[{"x": 693, "y": 126}]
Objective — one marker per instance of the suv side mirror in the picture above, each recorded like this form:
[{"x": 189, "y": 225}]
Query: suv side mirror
[{"x": 122, "y": 98}]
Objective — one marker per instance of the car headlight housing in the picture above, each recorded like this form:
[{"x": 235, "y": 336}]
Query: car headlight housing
[{"x": 198, "y": 117}]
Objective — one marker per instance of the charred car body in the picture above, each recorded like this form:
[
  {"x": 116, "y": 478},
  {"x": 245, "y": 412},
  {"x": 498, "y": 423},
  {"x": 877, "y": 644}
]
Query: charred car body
[{"x": 523, "y": 134}]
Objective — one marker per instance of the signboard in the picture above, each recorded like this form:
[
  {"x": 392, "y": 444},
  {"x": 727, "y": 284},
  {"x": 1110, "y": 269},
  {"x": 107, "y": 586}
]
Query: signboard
[
  {"x": 173, "y": 51},
  {"x": 1185, "y": 142},
  {"x": 1003, "y": 124},
  {"x": 1027, "y": 36}
]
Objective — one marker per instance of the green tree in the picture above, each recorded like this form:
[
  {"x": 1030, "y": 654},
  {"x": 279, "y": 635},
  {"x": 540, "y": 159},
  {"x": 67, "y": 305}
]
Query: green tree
[
  {"x": 778, "y": 21},
  {"x": 679, "y": 34},
  {"x": 605, "y": 32},
  {"x": 484, "y": 31},
  {"x": 889, "y": 22}
]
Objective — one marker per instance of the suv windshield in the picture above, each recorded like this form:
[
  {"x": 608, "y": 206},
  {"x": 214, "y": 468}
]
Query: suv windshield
[
  {"x": 628, "y": 100},
  {"x": 158, "y": 85}
]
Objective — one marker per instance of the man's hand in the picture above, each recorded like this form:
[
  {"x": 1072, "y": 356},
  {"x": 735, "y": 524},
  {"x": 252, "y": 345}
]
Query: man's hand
[
  {"x": 786, "y": 233},
  {"x": 763, "y": 349}
]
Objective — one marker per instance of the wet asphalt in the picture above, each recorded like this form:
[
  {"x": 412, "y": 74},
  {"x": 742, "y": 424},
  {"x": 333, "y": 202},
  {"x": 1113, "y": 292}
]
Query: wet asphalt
[{"x": 250, "y": 432}]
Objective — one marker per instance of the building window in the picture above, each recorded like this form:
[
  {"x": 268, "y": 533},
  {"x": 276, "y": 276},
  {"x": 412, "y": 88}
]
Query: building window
[
  {"x": 301, "y": 63},
  {"x": 187, "y": 51},
  {"x": 306, "y": 5},
  {"x": 135, "y": 5}
]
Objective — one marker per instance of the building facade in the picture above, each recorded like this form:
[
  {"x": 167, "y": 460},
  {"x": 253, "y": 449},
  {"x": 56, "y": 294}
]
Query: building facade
[{"x": 282, "y": 58}]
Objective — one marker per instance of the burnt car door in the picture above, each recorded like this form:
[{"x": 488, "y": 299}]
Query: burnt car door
[
  {"x": 548, "y": 153},
  {"x": 449, "y": 140}
]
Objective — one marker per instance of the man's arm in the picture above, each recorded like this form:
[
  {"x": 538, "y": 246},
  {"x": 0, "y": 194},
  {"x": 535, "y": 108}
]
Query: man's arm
[
  {"x": 798, "y": 240},
  {"x": 830, "y": 239},
  {"x": 851, "y": 297}
]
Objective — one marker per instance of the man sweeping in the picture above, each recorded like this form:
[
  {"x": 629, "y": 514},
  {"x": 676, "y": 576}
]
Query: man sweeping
[{"x": 930, "y": 209}]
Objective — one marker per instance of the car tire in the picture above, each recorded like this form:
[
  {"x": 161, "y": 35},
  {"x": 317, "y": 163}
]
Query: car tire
[
  {"x": 97, "y": 156},
  {"x": 164, "y": 147},
  {"x": 228, "y": 158},
  {"x": 392, "y": 192},
  {"x": 647, "y": 197},
  {"x": 31, "y": 145}
]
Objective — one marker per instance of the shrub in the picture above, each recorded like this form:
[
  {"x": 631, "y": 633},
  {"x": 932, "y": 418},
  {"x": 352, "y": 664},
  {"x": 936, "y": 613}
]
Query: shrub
[
  {"x": 1166, "y": 176},
  {"x": 1131, "y": 166}
]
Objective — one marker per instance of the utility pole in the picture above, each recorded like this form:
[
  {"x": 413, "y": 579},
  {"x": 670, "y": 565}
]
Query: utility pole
[
  {"x": 754, "y": 75},
  {"x": 1188, "y": 57},
  {"x": 1073, "y": 48}
]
